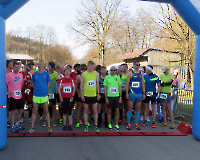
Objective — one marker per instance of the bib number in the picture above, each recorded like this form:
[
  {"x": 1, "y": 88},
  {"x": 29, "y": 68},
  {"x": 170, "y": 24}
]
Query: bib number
[
  {"x": 27, "y": 91},
  {"x": 149, "y": 94},
  {"x": 17, "y": 93},
  {"x": 51, "y": 96},
  {"x": 135, "y": 84},
  {"x": 67, "y": 89},
  {"x": 163, "y": 96},
  {"x": 101, "y": 90},
  {"x": 91, "y": 83},
  {"x": 113, "y": 90}
]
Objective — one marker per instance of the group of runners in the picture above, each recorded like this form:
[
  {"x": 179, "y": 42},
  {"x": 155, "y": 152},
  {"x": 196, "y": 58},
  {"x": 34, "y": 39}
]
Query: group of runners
[{"x": 91, "y": 89}]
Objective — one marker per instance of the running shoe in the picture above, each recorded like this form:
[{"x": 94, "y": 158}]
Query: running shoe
[
  {"x": 148, "y": 120},
  {"x": 64, "y": 128},
  {"x": 77, "y": 125},
  {"x": 129, "y": 127},
  {"x": 54, "y": 123},
  {"x": 60, "y": 121},
  {"x": 137, "y": 127},
  {"x": 41, "y": 118},
  {"x": 144, "y": 123},
  {"x": 88, "y": 124},
  {"x": 14, "y": 129},
  {"x": 141, "y": 118},
  {"x": 120, "y": 122},
  {"x": 19, "y": 127},
  {"x": 153, "y": 125},
  {"x": 80, "y": 122},
  {"x": 59, "y": 118},
  {"x": 44, "y": 124},
  {"x": 29, "y": 120},
  {"x": 110, "y": 127},
  {"x": 117, "y": 128},
  {"x": 86, "y": 129},
  {"x": 69, "y": 128},
  {"x": 164, "y": 124},
  {"x": 96, "y": 129},
  {"x": 49, "y": 130},
  {"x": 31, "y": 130},
  {"x": 21, "y": 120},
  {"x": 172, "y": 126}
]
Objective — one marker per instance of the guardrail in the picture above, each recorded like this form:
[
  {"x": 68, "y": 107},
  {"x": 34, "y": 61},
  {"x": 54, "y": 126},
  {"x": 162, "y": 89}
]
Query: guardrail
[{"x": 182, "y": 102}]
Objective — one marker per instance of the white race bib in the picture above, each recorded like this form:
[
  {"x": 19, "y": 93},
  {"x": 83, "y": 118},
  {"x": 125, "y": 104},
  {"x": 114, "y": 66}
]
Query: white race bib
[
  {"x": 149, "y": 94},
  {"x": 135, "y": 84},
  {"x": 113, "y": 90},
  {"x": 17, "y": 93},
  {"x": 101, "y": 90},
  {"x": 91, "y": 83},
  {"x": 51, "y": 96},
  {"x": 163, "y": 96},
  {"x": 67, "y": 90}
]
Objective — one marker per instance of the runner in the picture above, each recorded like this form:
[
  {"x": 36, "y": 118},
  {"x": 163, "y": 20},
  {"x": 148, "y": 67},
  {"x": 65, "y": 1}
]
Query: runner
[
  {"x": 67, "y": 85},
  {"x": 150, "y": 80},
  {"x": 26, "y": 90},
  {"x": 135, "y": 91},
  {"x": 165, "y": 95},
  {"x": 31, "y": 64},
  {"x": 62, "y": 70},
  {"x": 102, "y": 103},
  {"x": 113, "y": 92},
  {"x": 41, "y": 83},
  {"x": 98, "y": 69},
  {"x": 90, "y": 93},
  {"x": 52, "y": 92},
  {"x": 14, "y": 81}
]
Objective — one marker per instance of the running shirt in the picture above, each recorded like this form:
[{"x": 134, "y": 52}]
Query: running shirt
[
  {"x": 101, "y": 87},
  {"x": 14, "y": 82},
  {"x": 40, "y": 86},
  {"x": 54, "y": 77},
  {"x": 124, "y": 80},
  {"x": 60, "y": 76},
  {"x": 135, "y": 83},
  {"x": 90, "y": 88},
  {"x": 150, "y": 82},
  {"x": 26, "y": 85},
  {"x": 74, "y": 74},
  {"x": 66, "y": 85},
  {"x": 112, "y": 83},
  {"x": 166, "y": 78}
]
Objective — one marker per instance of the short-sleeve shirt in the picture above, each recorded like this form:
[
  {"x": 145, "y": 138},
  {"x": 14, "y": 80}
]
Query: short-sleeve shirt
[
  {"x": 74, "y": 74},
  {"x": 40, "y": 83},
  {"x": 26, "y": 85},
  {"x": 150, "y": 82},
  {"x": 112, "y": 83},
  {"x": 66, "y": 85},
  {"x": 54, "y": 77},
  {"x": 14, "y": 83},
  {"x": 166, "y": 78}
]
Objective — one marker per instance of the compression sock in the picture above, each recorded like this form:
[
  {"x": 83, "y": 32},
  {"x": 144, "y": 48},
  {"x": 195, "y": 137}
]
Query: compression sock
[
  {"x": 129, "y": 117},
  {"x": 137, "y": 117}
]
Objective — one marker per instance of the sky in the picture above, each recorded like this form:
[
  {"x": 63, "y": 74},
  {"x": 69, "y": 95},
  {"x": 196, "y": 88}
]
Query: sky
[{"x": 57, "y": 14}]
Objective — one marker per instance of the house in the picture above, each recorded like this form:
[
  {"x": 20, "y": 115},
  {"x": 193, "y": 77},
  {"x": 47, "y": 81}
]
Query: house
[
  {"x": 24, "y": 58},
  {"x": 154, "y": 57}
]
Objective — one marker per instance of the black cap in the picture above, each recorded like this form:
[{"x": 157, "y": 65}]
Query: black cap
[
  {"x": 68, "y": 65},
  {"x": 52, "y": 64},
  {"x": 30, "y": 63}
]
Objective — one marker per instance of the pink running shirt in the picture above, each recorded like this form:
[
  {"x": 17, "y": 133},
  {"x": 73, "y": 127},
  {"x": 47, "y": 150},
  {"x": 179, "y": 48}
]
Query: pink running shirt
[{"x": 14, "y": 83}]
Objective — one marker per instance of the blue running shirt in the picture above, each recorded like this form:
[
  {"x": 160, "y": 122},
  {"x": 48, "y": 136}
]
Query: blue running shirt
[
  {"x": 135, "y": 83},
  {"x": 150, "y": 82},
  {"x": 101, "y": 87}
]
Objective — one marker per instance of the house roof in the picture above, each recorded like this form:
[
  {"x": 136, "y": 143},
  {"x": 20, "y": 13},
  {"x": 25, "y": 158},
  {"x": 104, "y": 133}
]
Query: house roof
[
  {"x": 19, "y": 56},
  {"x": 135, "y": 54}
]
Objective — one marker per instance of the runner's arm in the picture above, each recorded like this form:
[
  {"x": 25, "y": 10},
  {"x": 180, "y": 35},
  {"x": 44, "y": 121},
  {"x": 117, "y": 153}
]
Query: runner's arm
[
  {"x": 120, "y": 90},
  {"x": 77, "y": 81},
  {"x": 127, "y": 82},
  {"x": 33, "y": 84},
  {"x": 143, "y": 84},
  {"x": 49, "y": 84},
  {"x": 97, "y": 82},
  {"x": 74, "y": 89},
  {"x": 159, "y": 87},
  {"x": 82, "y": 82},
  {"x": 105, "y": 91},
  {"x": 166, "y": 84},
  {"x": 59, "y": 91}
]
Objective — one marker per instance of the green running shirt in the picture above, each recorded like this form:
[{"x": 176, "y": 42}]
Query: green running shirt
[{"x": 90, "y": 88}]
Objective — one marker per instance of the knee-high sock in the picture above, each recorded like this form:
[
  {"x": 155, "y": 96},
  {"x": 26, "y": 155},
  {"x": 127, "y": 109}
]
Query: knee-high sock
[
  {"x": 137, "y": 117},
  {"x": 129, "y": 117}
]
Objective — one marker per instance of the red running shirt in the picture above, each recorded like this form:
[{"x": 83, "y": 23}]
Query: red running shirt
[
  {"x": 74, "y": 74},
  {"x": 26, "y": 85},
  {"x": 66, "y": 85}
]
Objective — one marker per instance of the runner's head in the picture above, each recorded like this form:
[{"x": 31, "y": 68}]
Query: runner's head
[
  {"x": 116, "y": 70},
  {"x": 98, "y": 68},
  {"x": 16, "y": 67},
  {"x": 77, "y": 68},
  {"x": 119, "y": 69},
  {"x": 62, "y": 69},
  {"x": 51, "y": 66},
  {"x": 68, "y": 65},
  {"x": 112, "y": 70},
  {"x": 165, "y": 70},
  {"x": 136, "y": 65},
  {"x": 149, "y": 69},
  {"x": 40, "y": 65},
  {"x": 83, "y": 67},
  {"x": 27, "y": 68},
  {"x": 57, "y": 69},
  {"x": 67, "y": 71},
  {"x": 124, "y": 67},
  {"x": 31, "y": 64},
  {"x": 103, "y": 70},
  {"x": 9, "y": 64},
  {"x": 20, "y": 63},
  {"x": 90, "y": 66}
]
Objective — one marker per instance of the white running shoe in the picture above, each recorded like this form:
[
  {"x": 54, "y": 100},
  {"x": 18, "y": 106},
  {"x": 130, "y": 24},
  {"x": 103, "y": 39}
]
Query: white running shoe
[
  {"x": 141, "y": 118},
  {"x": 21, "y": 120}
]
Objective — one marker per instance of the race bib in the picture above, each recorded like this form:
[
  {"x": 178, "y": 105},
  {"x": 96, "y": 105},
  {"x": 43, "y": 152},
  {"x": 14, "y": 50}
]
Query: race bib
[
  {"x": 101, "y": 90},
  {"x": 17, "y": 93},
  {"x": 27, "y": 91},
  {"x": 67, "y": 90},
  {"x": 51, "y": 96},
  {"x": 149, "y": 94},
  {"x": 135, "y": 84},
  {"x": 123, "y": 86},
  {"x": 163, "y": 96},
  {"x": 113, "y": 90},
  {"x": 91, "y": 83}
]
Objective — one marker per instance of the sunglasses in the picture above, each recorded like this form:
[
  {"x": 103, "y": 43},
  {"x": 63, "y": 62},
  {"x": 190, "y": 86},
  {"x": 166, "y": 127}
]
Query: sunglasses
[
  {"x": 137, "y": 64},
  {"x": 112, "y": 70}
]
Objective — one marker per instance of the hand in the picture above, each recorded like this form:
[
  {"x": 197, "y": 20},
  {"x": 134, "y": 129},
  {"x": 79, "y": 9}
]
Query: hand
[
  {"x": 83, "y": 98},
  {"x": 71, "y": 99},
  {"x": 9, "y": 93},
  {"x": 127, "y": 96},
  {"x": 25, "y": 81},
  {"x": 61, "y": 99},
  {"x": 98, "y": 97},
  {"x": 143, "y": 96},
  {"x": 79, "y": 95},
  {"x": 120, "y": 100},
  {"x": 107, "y": 101}
]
